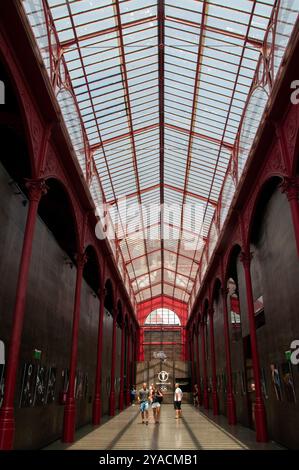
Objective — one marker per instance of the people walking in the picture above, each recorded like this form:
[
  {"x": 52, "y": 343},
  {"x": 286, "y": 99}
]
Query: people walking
[
  {"x": 178, "y": 395},
  {"x": 156, "y": 400},
  {"x": 143, "y": 400}
]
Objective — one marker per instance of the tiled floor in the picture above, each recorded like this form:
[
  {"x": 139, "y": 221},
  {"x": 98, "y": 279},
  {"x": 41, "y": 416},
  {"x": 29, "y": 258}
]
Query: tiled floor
[{"x": 194, "y": 430}]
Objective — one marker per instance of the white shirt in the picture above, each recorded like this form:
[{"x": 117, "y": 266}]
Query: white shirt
[{"x": 178, "y": 394}]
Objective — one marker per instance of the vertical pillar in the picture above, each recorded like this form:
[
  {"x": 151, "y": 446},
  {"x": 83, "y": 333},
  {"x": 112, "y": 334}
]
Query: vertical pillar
[
  {"x": 213, "y": 360},
  {"x": 259, "y": 409},
  {"x": 205, "y": 376},
  {"x": 113, "y": 360},
  {"x": 290, "y": 187},
  {"x": 36, "y": 188},
  {"x": 70, "y": 406},
  {"x": 230, "y": 399},
  {"x": 198, "y": 370},
  {"x": 122, "y": 368},
  {"x": 96, "y": 412},
  {"x": 128, "y": 369}
]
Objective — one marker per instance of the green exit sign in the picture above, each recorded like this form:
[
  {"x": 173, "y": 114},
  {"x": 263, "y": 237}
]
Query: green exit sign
[
  {"x": 37, "y": 354},
  {"x": 288, "y": 355}
]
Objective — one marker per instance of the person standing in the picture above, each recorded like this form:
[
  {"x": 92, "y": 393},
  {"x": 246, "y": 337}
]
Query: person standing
[
  {"x": 156, "y": 400},
  {"x": 143, "y": 399},
  {"x": 178, "y": 395}
]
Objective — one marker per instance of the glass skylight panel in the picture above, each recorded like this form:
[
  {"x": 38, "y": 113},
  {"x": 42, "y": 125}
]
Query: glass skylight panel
[{"x": 116, "y": 84}]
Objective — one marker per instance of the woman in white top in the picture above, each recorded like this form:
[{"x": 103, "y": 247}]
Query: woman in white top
[{"x": 178, "y": 395}]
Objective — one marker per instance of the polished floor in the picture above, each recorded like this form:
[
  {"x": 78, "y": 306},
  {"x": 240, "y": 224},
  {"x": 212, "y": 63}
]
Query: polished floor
[{"x": 195, "y": 430}]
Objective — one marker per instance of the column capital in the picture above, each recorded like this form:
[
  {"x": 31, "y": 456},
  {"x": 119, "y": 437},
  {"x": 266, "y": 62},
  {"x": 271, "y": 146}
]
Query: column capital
[
  {"x": 290, "y": 186},
  {"x": 245, "y": 258},
  {"x": 36, "y": 188}
]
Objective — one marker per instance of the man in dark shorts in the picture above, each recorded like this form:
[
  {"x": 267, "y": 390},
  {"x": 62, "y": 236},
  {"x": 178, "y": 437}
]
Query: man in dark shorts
[
  {"x": 178, "y": 395},
  {"x": 143, "y": 400}
]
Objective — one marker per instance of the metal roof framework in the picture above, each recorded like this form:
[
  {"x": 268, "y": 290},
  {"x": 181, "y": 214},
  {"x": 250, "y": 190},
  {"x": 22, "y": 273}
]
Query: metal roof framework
[{"x": 162, "y": 100}]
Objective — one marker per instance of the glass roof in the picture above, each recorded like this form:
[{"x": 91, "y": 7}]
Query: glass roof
[{"x": 162, "y": 100}]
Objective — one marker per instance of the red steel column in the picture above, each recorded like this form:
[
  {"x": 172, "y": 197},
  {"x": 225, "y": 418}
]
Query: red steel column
[
  {"x": 96, "y": 412},
  {"x": 122, "y": 368},
  {"x": 259, "y": 409},
  {"x": 290, "y": 187},
  {"x": 205, "y": 375},
  {"x": 213, "y": 360},
  {"x": 36, "y": 189},
  {"x": 70, "y": 406},
  {"x": 128, "y": 369},
  {"x": 184, "y": 353},
  {"x": 113, "y": 360},
  {"x": 198, "y": 369},
  {"x": 230, "y": 400}
]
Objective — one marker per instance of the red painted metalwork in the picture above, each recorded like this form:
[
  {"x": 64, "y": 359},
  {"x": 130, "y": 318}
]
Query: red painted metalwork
[
  {"x": 213, "y": 363},
  {"x": 70, "y": 405},
  {"x": 36, "y": 189},
  {"x": 259, "y": 406},
  {"x": 129, "y": 116},
  {"x": 192, "y": 124}
]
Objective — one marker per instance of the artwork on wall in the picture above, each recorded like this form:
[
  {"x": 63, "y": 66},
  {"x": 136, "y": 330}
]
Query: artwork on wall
[
  {"x": 40, "y": 386},
  {"x": 264, "y": 383},
  {"x": 28, "y": 385},
  {"x": 51, "y": 384},
  {"x": 242, "y": 382},
  {"x": 235, "y": 383},
  {"x": 218, "y": 383},
  {"x": 79, "y": 385},
  {"x": 85, "y": 386},
  {"x": 288, "y": 382},
  {"x": 64, "y": 386},
  {"x": 276, "y": 381},
  {"x": 2, "y": 368},
  {"x": 108, "y": 385}
]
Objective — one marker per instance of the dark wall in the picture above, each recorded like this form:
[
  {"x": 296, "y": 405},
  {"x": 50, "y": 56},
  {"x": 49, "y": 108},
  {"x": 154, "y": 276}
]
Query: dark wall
[
  {"x": 48, "y": 321},
  {"x": 220, "y": 353},
  {"x": 106, "y": 355},
  {"x": 275, "y": 274}
]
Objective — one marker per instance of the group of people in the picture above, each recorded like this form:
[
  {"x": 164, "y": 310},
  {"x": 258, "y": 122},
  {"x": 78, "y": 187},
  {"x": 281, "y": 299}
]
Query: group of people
[{"x": 153, "y": 398}]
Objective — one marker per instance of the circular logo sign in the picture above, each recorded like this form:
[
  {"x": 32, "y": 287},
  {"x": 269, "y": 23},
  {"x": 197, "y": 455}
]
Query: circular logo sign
[{"x": 163, "y": 376}]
